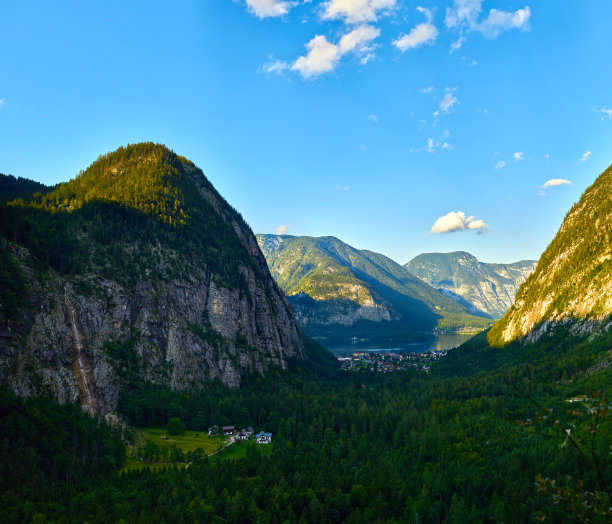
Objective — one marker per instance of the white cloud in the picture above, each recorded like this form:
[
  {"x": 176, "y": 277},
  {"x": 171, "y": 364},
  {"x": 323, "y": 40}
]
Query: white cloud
[
  {"x": 269, "y": 8},
  {"x": 358, "y": 39},
  {"x": 274, "y": 67},
  {"x": 518, "y": 156},
  {"x": 428, "y": 89},
  {"x": 323, "y": 56},
  {"x": 457, "y": 221},
  {"x": 373, "y": 118},
  {"x": 585, "y": 156},
  {"x": 439, "y": 143},
  {"x": 464, "y": 14},
  {"x": 547, "y": 157},
  {"x": 499, "y": 21},
  {"x": 553, "y": 182},
  {"x": 356, "y": 11},
  {"x": 420, "y": 35},
  {"x": 606, "y": 113},
  {"x": 282, "y": 229},
  {"x": 499, "y": 164},
  {"x": 427, "y": 12},
  {"x": 556, "y": 182},
  {"x": 342, "y": 188},
  {"x": 448, "y": 102},
  {"x": 2, "y": 102}
]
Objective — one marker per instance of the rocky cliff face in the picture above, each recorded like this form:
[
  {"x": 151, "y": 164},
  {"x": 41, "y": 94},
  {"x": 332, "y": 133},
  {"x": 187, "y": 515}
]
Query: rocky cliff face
[
  {"x": 572, "y": 284},
  {"x": 178, "y": 328},
  {"x": 485, "y": 288}
]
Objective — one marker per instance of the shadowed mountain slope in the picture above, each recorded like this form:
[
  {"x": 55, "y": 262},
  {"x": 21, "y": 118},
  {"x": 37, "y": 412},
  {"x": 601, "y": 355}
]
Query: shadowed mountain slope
[{"x": 338, "y": 291}]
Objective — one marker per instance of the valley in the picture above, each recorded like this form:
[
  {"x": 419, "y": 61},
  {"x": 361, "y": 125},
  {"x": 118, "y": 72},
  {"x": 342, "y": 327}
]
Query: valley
[
  {"x": 129, "y": 325},
  {"x": 329, "y": 262}
]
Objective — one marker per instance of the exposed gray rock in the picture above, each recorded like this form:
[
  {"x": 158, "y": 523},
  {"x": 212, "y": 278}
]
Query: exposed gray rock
[{"x": 166, "y": 321}]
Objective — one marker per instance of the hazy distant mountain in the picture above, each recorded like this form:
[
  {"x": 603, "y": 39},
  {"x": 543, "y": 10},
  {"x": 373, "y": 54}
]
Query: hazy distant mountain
[
  {"x": 339, "y": 291},
  {"x": 572, "y": 284},
  {"x": 482, "y": 287}
]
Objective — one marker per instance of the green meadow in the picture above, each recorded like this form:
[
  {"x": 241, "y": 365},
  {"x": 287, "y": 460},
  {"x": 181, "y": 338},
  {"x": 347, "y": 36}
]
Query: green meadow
[{"x": 153, "y": 451}]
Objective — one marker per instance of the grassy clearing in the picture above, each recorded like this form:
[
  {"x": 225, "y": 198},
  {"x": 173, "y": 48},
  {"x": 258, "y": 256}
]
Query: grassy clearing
[
  {"x": 190, "y": 441},
  {"x": 238, "y": 450},
  {"x": 187, "y": 443}
]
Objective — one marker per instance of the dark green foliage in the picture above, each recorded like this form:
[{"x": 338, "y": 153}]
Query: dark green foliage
[
  {"x": 43, "y": 443},
  {"x": 13, "y": 286},
  {"x": 111, "y": 219},
  {"x": 367, "y": 448},
  {"x": 14, "y": 187},
  {"x": 175, "y": 426}
]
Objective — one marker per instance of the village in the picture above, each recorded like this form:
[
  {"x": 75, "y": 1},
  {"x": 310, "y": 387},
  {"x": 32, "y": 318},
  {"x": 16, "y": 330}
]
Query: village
[
  {"x": 388, "y": 361},
  {"x": 245, "y": 434}
]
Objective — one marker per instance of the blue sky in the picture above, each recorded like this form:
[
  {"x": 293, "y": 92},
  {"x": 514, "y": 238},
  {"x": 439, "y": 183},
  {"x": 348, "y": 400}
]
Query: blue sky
[{"x": 401, "y": 127}]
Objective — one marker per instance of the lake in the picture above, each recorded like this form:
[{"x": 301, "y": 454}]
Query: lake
[{"x": 430, "y": 343}]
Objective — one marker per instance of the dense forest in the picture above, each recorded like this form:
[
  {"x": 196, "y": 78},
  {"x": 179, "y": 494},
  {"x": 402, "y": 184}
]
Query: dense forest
[
  {"x": 488, "y": 436},
  {"x": 112, "y": 218},
  {"x": 514, "y": 434}
]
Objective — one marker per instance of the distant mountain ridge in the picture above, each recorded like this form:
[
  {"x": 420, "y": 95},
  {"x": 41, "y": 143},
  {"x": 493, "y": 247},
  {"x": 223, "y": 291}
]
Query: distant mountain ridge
[
  {"x": 482, "y": 287},
  {"x": 339, "y": 291},
  {"x": 572, "y": 284},
  {"x": 135, "y": 271}
]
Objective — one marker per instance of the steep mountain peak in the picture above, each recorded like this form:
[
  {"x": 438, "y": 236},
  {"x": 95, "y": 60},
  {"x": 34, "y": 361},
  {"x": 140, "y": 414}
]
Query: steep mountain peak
[
  {"x": 338, "y": 291},
  {"x": 486, "y": 288},
  {"x": 147, "y": 177},
  {"x": 139, "y": 265},
  {"x": 573, "y": 280}
]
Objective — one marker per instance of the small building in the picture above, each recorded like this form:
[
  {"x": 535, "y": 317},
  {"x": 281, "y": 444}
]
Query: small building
[
  {"x": 263, "y": 438},
  {"x": 228, "y": 430},
  {"x": 213, "y": 431},
  {"x": 243, "y": 435},
  {"x": 250, "y": 430}
]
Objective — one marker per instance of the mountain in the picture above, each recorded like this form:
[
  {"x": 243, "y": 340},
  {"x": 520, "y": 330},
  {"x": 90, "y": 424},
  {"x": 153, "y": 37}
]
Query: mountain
[
  {"x": 483, "y": 288},
  {"x": 572, "y": 284},
  {"x": 137, "y": 269},
  {"x": 338, "y": 291}
]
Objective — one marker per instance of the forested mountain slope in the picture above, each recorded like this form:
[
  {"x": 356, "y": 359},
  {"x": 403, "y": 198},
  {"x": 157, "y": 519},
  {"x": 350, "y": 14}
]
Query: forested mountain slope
[
  {"x": 339, "y": 291},
  {"x": 573, "y": 280},
  {"x": 136, "y": 267},
  {"x": 486, "y": 288}
]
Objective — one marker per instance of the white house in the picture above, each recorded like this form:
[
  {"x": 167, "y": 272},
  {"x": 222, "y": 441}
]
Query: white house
[
  {"x": 243, "y": 435},
  {"x": 263, "y": 438}
]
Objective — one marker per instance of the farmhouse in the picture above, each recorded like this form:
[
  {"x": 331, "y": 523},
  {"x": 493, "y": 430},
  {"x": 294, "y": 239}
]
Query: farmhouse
[
  {"x": 243, "y": 435},
  {"x": 228, "y": 430},
  {"x": 263, "y": 438}
]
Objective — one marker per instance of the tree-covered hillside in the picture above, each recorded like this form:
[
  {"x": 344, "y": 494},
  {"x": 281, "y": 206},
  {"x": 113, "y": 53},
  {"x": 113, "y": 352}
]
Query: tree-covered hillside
[
  {"x": 108, "y": 218},
  {"x": 139, "y": 251},
  {"x": 338, "y": 291},
  {"x": 473, "y": 441},
  {"x": 573, "y": 280}
]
